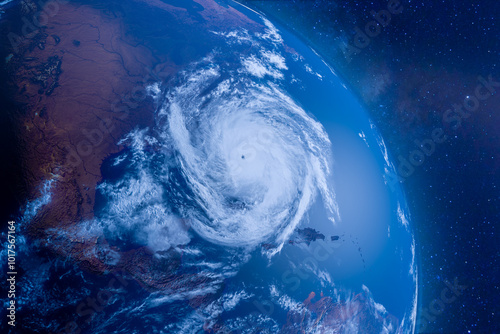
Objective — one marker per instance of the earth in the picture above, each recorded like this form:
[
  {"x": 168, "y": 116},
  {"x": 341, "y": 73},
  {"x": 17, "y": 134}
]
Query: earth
[{"x": 193, "y": 167}]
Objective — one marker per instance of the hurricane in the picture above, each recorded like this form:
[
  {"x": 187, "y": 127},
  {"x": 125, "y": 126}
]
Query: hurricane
[
  {"x": 252, "y": 159},
  {"x": 208, "y": 199},
  {"x": 236, "y": 161}
]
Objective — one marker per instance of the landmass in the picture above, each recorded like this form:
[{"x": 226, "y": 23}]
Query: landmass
[
  {"x": 327, "y": 315},
  {"x": 80, "y": 81}
]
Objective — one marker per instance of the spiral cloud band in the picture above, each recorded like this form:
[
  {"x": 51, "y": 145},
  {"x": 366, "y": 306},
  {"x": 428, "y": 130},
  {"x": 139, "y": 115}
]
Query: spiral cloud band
[
  {"x": 252, "y": 160},
  {"x": 231, "y": 155}
]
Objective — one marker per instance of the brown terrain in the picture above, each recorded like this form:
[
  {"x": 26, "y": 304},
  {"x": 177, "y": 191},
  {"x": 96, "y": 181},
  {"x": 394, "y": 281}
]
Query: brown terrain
[
  {"x": 82, "y": 79},
  {"x": 330, "y": 316}
]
